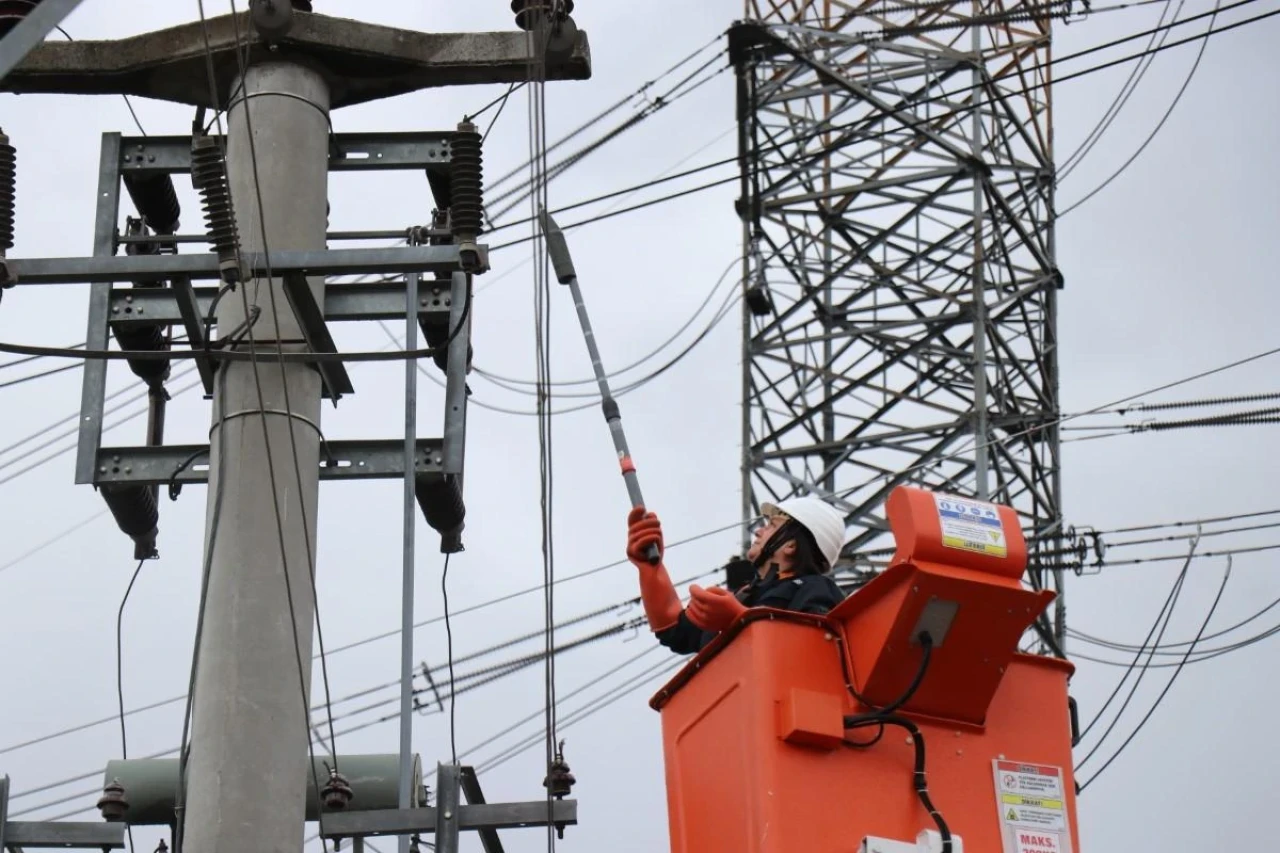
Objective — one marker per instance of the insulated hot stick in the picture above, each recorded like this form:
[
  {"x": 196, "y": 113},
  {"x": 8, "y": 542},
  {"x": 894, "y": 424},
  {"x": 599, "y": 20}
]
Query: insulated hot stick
[{"x": 558, "y": 248}]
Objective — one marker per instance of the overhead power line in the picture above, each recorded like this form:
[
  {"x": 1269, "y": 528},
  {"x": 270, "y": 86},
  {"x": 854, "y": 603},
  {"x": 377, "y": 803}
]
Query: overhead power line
[
  {"x": 1072, "y": 161},
  {"x": 1168, "y": 685},
  {"x": 424, "y": 623},
  {"x": 1177, "y": 98}
]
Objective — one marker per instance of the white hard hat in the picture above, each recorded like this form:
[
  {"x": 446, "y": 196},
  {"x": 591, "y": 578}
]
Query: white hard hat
[{"x": 820, "y": 518}]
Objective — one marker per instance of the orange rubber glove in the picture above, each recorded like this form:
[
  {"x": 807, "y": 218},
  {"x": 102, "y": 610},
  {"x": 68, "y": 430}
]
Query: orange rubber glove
[
  {"x": 657, "y": 592},
  {"x": 713, "y": 609}
]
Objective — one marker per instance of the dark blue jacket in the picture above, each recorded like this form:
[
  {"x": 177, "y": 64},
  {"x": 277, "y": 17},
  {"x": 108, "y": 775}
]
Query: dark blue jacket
[{"x": 803, "y": 594}]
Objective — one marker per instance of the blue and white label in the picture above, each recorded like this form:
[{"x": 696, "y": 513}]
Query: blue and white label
[{"x": 971, "y": 525}]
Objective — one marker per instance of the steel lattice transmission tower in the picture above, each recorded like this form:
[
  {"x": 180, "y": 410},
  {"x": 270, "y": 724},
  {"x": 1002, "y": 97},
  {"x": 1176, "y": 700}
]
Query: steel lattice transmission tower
[{"x": 900, "y": 273}]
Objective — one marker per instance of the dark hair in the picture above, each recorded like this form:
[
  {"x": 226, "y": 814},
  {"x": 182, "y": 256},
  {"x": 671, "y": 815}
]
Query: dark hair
[{"x": 808, "y": 559}]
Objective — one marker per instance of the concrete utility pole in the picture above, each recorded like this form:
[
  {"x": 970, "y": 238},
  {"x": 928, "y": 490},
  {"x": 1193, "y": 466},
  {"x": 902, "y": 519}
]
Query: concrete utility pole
[
  {"x": 249, "y": 713},
  {"x": 279, "y": 73}
]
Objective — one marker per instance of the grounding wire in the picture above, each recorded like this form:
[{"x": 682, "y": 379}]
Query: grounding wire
[
  {"x": 124, "y": 732},
  {"x": 448, "y": 631}
]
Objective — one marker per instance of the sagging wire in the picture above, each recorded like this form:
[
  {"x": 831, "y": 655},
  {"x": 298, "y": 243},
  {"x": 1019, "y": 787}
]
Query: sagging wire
[
  {"x": 1162, "y": 620},
  {"x": 1168, "y": 685},
  {"x": 1130, "y": 86},
  {"x": 1177, "y": 98},
  {"x": 1167, "y": 608}
]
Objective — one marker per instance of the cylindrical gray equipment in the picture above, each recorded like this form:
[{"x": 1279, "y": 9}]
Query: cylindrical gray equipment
[{"x": 151, "y": 785}]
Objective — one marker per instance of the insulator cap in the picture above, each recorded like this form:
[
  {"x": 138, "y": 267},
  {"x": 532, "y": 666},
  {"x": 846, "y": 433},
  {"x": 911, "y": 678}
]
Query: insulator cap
[
  {"x": 209, "y": 176},
  {"x": 112, "y": 803},
  {"x": 135, "y": 511},
  {"x": 559, "y": 782},
  {"x": 528, "y": 11},
  {"x": 13, "y": 11},
  {"x": 156, "y": 200},
  {"x": 8, "y": 191},
  {"x": 336, "y": 793}
]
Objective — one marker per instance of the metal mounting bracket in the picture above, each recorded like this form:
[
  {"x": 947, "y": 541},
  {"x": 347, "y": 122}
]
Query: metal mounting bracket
[
  {"x": 449, "y": 818},
  {"x": 16, "y": 836}
]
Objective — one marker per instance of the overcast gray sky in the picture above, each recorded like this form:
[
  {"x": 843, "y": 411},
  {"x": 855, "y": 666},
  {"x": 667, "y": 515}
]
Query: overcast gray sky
[{"x": 1168, "y": 272}]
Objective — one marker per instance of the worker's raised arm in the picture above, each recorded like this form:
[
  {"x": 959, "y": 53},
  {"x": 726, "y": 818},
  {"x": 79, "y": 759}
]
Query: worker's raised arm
[{"x": 657, "y": 593}]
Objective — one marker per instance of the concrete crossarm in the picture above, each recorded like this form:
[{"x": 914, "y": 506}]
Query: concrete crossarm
[{"x": 361, "y": 62}]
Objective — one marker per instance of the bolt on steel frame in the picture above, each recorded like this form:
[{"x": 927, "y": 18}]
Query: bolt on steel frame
[{"x": 900, "y": 317}]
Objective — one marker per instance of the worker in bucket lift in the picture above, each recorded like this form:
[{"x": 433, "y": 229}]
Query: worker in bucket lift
[{"x": 792, "y": 551}]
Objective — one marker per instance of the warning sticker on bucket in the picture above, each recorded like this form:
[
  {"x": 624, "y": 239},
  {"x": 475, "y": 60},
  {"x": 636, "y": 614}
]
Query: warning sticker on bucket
[
  {"x": 1032, "y": 807},
  {"x": 971, "y": 525},
  {"x": 1038, "y": 842}
]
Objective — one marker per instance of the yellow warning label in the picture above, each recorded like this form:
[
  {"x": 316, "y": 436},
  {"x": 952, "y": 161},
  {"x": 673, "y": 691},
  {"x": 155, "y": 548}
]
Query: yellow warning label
[
  {"x": 995, "y": 550},
  {"x": 1035, "y": 802},
  {"x": 1012, "y": 815}
]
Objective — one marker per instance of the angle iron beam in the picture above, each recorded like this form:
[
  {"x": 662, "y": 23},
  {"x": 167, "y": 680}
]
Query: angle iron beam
[
  {"x": 449, "y": 803},
  {"x": 192, "y": 320},
  {"x": 343, "y": 301},
  {"x": 389, "y": 260},
  {"x": 459, "y": 362},
  {"x": 470, "y": 818},
  {"x": 60, "y": 835},
  {"x": 98, "y": 334},
  {"x": 475, "y": 796},
  {"x": 348, "y": 152},
  {"x": 314, "y": 331},
  {"x": 340, "y": 460}
]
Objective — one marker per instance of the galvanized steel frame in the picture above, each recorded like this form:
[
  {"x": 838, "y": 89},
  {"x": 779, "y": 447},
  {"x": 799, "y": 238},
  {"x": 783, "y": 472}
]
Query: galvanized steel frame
[
  {"x": 110, "y": 305},
  {"x": 897, "y": 206}
]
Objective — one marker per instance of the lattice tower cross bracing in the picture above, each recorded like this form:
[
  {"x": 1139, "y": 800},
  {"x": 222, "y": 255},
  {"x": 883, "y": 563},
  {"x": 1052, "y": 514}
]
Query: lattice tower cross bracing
[{"x": 899, "y": 268}]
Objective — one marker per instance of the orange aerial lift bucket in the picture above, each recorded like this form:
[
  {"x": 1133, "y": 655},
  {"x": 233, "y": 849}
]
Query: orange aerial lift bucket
[{"x": 782, "y": 736}]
